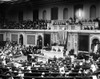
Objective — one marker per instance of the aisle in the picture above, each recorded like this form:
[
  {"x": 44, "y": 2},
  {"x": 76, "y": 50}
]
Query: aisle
[{"x": 23, "y": 58}]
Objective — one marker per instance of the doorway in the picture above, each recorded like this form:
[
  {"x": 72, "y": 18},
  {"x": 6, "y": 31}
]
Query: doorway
[
  {"x": 21, "y": 39},
  {"x": 83, "y": 43},
  {"x": 39, "y": 42},
  {"x": 77, "y": 9},
  {"x": 47, "y": 39},
  {"x": 95, "y": 45},
  {"x": 1, "y": 37},
  {"x": 35, "y": 14}
]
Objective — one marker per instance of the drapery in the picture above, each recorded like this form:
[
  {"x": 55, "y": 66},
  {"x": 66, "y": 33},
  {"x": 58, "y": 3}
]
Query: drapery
[
  {"x": 62, "y": 37},
  {"x": 59, "y": 37}
]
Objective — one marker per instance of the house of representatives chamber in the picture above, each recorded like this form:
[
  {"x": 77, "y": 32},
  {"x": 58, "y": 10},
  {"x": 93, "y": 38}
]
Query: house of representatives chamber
[
  {"x": 51, "y": 30},
  {"x": 51, "y": 21}
]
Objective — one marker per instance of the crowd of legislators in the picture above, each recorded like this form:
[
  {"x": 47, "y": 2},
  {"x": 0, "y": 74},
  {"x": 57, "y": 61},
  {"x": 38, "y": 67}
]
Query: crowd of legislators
[
  {"x": 43, "y": 24},
  {"x": 71, "y": 65}
]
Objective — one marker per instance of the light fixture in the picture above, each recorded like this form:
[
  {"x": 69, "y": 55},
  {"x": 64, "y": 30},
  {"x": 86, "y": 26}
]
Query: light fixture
[{"x": 79, "y": 14}]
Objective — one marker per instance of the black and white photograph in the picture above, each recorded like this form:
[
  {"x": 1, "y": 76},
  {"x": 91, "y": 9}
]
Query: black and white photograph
[{"x": 49, "y": 39}]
